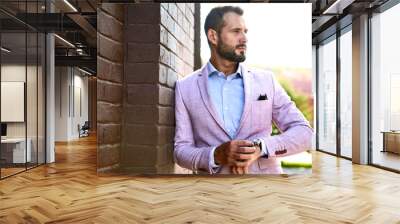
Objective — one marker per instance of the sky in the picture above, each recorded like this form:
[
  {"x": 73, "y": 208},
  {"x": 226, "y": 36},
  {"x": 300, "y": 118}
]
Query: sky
[{"x": 279, "y": 34}]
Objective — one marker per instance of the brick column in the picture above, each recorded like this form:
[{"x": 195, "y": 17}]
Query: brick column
[
  {"x": 110, "y": 58},
  {"x": 159, "y": 48}
]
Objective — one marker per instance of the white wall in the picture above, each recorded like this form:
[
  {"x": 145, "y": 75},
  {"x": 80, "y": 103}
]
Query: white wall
[
  {"x": 81, "y": 103},
  {"x": 71, "y": 93},
  {"x": 16, "y": 73},
  {"x": 61, "y": 103}
]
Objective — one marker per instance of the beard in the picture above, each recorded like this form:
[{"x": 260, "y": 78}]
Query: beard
[{"x": 229, "y": 53}]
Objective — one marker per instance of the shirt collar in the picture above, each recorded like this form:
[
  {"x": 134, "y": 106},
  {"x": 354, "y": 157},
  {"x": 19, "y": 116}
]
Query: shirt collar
[{"x": 212, "y": 70}]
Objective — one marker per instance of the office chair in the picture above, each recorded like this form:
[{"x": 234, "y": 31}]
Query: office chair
[{"x": 84, "y": 130}]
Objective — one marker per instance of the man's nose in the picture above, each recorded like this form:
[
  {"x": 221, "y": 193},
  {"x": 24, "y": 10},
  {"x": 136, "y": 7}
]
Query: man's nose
[{"x": 243, "y": 38}]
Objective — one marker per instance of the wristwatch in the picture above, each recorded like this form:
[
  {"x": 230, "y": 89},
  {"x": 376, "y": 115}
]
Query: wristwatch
[{"x": 257, "y": 142}]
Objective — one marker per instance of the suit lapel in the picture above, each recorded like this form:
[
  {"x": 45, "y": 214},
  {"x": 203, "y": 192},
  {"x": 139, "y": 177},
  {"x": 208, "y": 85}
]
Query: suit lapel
[
  {"x": 203, "y": 87},
  {"x": 247, "y": 81}
]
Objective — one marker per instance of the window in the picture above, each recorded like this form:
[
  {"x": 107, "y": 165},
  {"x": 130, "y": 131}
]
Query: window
[
  {"x": 327, "y": 96},
  {"x": 346, "y": 93},
  {"x": 385, "y": 87}
]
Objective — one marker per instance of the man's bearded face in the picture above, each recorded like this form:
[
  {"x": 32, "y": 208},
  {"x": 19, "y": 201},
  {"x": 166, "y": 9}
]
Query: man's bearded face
[{"x": 229, "y": 52}]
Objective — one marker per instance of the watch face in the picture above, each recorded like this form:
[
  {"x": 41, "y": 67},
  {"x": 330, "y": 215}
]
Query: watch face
[{"x": 257, "y": 143}]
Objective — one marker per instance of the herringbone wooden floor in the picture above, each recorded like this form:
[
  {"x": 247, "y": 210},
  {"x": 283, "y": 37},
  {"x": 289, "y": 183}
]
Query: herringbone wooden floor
[{"x": 70, "y": 191}]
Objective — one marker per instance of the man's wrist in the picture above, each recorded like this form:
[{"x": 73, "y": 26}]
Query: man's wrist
[
  {"x": 212, "y": 163},
  {"x": 216, "y": 162}
]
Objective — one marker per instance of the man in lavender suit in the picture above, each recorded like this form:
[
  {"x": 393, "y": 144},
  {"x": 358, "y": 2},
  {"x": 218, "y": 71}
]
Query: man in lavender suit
[{"x": 224, "y": 111}]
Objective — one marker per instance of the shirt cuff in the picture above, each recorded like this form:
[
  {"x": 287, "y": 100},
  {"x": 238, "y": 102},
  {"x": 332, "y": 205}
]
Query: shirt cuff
[{"x": 212, "y": 162}]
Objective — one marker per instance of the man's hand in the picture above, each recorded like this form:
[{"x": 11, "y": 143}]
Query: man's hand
[
  {"x": 239, "y": 170},
  {"x": 238, "y": 154},
  {"x": 251, "y": 158}
]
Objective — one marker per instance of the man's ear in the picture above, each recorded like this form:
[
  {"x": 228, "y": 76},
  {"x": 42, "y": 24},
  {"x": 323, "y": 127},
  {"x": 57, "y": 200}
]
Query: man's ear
[{"x": 212, "y": 36}]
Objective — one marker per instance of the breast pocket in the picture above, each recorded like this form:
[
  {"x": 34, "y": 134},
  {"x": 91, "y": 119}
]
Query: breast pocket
[{"x": 261, "y": 114}]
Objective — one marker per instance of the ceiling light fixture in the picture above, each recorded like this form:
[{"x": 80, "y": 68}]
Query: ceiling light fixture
[
  {"x": 70, "y": 5},
  {"x": 65, "y": 41},
  {"x": 5, "y": 50}
]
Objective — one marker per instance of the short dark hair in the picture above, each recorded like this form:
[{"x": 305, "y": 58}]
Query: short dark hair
[{"x": 214, "y": 19}]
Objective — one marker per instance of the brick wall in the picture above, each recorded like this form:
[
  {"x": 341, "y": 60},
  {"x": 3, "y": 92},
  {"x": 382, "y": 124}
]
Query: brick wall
[
  {"x": 110, "y": 58},
  {"x": 159, "y": 48}
]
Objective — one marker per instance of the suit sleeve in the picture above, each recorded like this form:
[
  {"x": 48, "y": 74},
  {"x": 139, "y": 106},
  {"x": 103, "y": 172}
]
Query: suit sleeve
[
  {"x": 185, "y": 153},
  {"x": 296, "y": 133}
]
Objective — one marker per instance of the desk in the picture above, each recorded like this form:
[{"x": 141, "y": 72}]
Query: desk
[
  {"x": 13, "y": 150},
  {"x": 391, "y": 141}
]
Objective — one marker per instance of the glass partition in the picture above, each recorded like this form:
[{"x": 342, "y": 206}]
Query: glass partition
[
  {"x": 22, "y": 87},
  {"x": 13, "y": 105},
  {"x": 41, "y": 96},
  {"x": 31, "y": 100}
]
